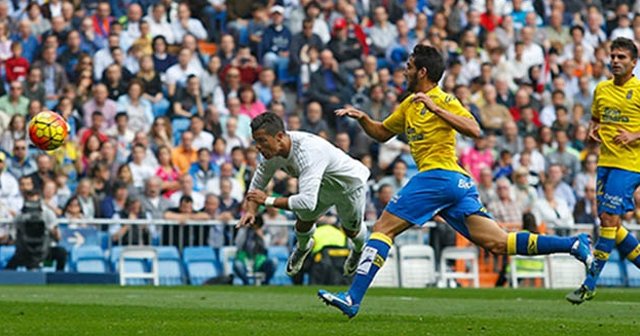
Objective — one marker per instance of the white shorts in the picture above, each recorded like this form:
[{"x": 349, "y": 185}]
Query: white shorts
[{"x": 350, "y": 206}]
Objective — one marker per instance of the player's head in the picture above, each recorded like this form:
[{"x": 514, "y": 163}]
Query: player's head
[
  {"x": 268, "y": 132},
  {"x": 624, "y": 56},
  {"x": 425, "y": 64}
]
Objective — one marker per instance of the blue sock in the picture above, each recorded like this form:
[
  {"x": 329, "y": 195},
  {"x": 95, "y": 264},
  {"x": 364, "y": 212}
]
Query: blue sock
[
  {"x": 605, "y": 244},
  {"x": 628, "y": 246},
  {"x": 526, "y": 243},
  {"x": 373, "y": 257}
]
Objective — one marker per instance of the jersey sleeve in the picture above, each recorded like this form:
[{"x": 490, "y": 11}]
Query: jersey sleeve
[
  {"x": 262, "y": 176},
  {"x": 453, "y": 105},
  {"x": 309, "y": 181},
  {"x": 395, "y": 121}
]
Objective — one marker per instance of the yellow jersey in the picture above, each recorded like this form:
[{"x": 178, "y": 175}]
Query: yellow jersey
[
  {"x": 618, "y": 107},
  {"x": 431, "y": 139}
]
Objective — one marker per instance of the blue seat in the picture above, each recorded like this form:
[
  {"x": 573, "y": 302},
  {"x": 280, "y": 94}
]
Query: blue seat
[
  {"x": 279, "y": 254},
  {"x": 91, "y": 266},
  {"x": 198, "y": 253},
  {"x": 6, "y": 253},
  {"x": 612, "y": 275},
  {"x": 135, "y": 266},
  {"x": 86, "y": 252},
  {"x": 200, "y": 271},
  {"x": 633, "y": 274},
  {"x": 168, "y": 253},
  {"x": 170, "y": 271}
]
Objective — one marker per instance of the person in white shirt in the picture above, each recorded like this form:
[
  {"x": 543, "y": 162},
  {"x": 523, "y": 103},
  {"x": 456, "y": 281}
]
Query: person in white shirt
[
  {"x": 201, "y": 138},
  {"x": 158, "y": 24},
  {"x": 185, "y": 24},
  {"x": 139, "y": 170},
  {"x": 326, "y": 177},
  {"x": 186, "y": 188},
  {"x": 178, "y": 73},
  {"x": 10, "y": 198}
]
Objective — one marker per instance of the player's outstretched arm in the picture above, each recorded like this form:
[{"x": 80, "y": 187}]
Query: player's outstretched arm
[
  {"x": 594, "y": 126},
  {"x": 373, "y": 128},
  {"x": 249, "y": 216},
  {"x": 464, "y": 126}
]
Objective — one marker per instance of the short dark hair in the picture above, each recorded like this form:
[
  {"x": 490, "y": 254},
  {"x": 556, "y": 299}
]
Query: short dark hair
[
  {"x": 429, "y": 58},
  {"x": 269, "y": 122},
  {"x": 625, "y": 44}
]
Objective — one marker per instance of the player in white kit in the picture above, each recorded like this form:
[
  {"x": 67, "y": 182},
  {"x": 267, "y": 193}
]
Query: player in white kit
[{"x": 327, "y": 176}]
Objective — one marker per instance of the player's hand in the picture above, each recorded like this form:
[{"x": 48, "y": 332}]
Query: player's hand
[
  {"x": 248, "y": 219},
  {"x": 624, "y": 137},
  {"x": 257, "y": 196},
  {"x": 350, "y": 112},
  {"x": 593, "y": 133},
  {"x": 420, "y": 97}
]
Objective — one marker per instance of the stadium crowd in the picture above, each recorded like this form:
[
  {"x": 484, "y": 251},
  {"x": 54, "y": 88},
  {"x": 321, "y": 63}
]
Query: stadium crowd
[{"x": 159, "y": 96}]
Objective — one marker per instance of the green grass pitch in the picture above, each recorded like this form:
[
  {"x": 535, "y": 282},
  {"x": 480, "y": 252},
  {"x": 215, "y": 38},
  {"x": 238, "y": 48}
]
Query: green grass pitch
[{"x": 284, "y": 311}]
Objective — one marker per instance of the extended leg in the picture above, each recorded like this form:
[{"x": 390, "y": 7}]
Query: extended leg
[{"x": 373, "y": 257}]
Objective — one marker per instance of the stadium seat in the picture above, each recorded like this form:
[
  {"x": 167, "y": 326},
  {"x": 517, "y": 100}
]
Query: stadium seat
[
  {"x": 417, "y": 266},
  {"x": 132, "y": 266},
  {"x": 633, "y": 274},
  {"x": 468, "y": 254},
  {"x": 410, "y": 237},
  {"x": 198, "y": 253},
  {"x": 388, "y": 275},
  {"x": 200, "y": 271},
  {"x": 529, "y": 267},
  {"x": 279, "y": 254},
  {"x": 6, "y": 253},
  {"x": 88, "y": 259},
  {"x": 565, "y": 271},
  {"x": 167, "y": 253},
  {"x": 170, "y": 271}
]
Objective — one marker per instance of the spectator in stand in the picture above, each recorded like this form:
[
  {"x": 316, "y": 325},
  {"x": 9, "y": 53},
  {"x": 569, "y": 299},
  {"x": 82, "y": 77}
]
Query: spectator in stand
[
  {"x": 10, "y": 198},
  {"x": 20, "y": 163},
  {"x": 504, "y": 166},
  {"x": 114, "y": 203},
  {"x": 32, "y": 87},
  {"x": 525, "y": 194},
  {"x": 186, "y": 189},
  {"x": 383, "y": 33},
  {"x": 16, "y": 66},
  {"x": 504, "y": 209},
  {"x": 27, "y": 39},
  {"x": 346, "y": 49},
  {"x": 100, "y": 103},
  {"x": 586, "y": 210},
  {"x": 330, "y": 87},
  {"x": 15, "y": 130},
  {"x": 128, "y": 234},
  {"x": 398, "y": 179},
  {"x": 301, "y": 44},
  {"x": 137, "y": 108},
  {"x": 152, "y": 200},
  {"x": 167, "y": 172},
  {"x": 14, "y": 102},
  {"x": 385, "y": 192},
  {"x": 232, "y": 136},
  {"x": 314, "y": 123},
  {"x": 486, "y": 187},
  {"x": 251, "y": 106},
  {"x": 274, "y": 47},
  {"x": 226, "y": 172},
  {"x": 184, "y": 154},
  {"x": 161, "y": 134},
  {"x": 553, "y": 210},
  {"x": 563, "y": 191},
  {"x": 158, "y": 24},
  {"x": 162, "y": 60},
  {"x": 203, "y": 170},
  {"x": 493, "y": 114},
  {"x": 264, "y": 85},
  {"x": 475, "y": 158}
]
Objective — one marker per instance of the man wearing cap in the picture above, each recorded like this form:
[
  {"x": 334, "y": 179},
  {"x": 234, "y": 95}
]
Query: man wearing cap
[
  {"x": 274, "y": 49},
  {"x": 347, "y": 50}
]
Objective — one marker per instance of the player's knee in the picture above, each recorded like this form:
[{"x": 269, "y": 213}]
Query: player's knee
[
  {"x": 609, "y": 220},
  {"x": 496, "y": 247}
]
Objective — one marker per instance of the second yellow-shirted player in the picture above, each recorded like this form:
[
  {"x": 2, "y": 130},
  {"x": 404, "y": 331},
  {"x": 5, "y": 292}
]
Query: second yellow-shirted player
[{"x": 616, "y": 126}]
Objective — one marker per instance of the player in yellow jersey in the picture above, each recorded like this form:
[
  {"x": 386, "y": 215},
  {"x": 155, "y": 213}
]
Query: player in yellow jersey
[
  {"x": 615, "y": 124},
  {"x": 430, "y": 118}
]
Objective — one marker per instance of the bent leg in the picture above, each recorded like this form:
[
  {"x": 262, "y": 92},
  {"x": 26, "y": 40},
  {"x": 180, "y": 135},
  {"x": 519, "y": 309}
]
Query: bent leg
[
  {"x": 628, "y": 245},
  {"x": 304, "y": 232},
  {"x": 604, "y": 245}
]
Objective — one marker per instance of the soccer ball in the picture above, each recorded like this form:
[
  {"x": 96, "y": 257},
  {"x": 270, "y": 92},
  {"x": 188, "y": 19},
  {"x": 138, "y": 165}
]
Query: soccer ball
[{"x": 48, "y": 130}]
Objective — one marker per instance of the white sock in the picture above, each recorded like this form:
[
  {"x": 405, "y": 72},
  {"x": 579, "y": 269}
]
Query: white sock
[
  {"x": 360, "y": 239},
  {"x": 304, "y": 238}
]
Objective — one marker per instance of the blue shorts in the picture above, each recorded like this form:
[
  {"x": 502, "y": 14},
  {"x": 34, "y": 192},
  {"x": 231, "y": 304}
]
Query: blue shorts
[
  {"x": 615, "y": 189},
  {"x": 438, "y": 192}
]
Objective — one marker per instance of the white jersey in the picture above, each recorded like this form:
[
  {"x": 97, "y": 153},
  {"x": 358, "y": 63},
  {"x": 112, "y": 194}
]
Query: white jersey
[{"x": 319, "y": 167}]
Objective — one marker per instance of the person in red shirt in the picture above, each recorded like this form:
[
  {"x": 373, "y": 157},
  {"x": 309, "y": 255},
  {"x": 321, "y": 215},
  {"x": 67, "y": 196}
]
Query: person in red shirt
[
  {"x": 489, "y": 20},
  {"x": 97, "y": 120},
  {"x": 16, "y": 66}
]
